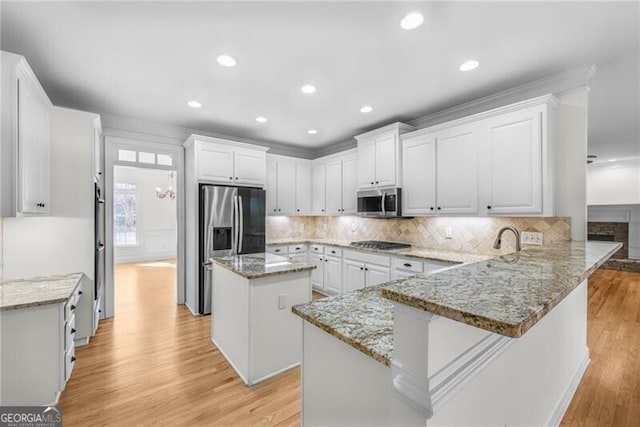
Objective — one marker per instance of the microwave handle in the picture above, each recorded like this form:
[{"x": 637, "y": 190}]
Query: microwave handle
[{"x": 384, "y": 195}]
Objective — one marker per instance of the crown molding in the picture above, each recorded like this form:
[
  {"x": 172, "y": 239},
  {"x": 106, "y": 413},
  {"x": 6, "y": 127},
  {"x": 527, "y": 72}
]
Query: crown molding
[{"x": 554, "y": 84}]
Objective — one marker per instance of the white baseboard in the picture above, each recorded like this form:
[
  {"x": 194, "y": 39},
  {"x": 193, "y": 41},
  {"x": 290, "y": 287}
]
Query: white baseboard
[
  {"x": 561, "y": 406},
  {"x": 143, "y": 257},
  {"x": 191, "y": 310},
  {"x": 273, "y": 374},
  {"x": 80, "y": 342}
]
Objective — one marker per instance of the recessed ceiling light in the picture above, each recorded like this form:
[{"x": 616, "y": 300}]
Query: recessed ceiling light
[
  {"x": 194, "y": 104},
  {"x": 412, "y": 21},
  {"x": 312, "y": 131},
  {"x": 472, "y": 64},
  {"x": 261, "y": 119},
  {"x": 366, "y": 109},
  {"x": 308, "y": 89},
  {"x": 613, "y": 160},
  {"x": 226, "y": 60}
]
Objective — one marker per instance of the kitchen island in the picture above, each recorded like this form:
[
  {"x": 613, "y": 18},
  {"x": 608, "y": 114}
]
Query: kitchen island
[
  {"x": 496, "y": 342},
  {"x": 252, "y": 325}
]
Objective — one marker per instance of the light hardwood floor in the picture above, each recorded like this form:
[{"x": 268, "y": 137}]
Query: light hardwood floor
[{"x": 154, "y": 363}]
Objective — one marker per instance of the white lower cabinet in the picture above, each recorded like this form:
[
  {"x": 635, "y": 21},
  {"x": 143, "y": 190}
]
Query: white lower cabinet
[
  {"x": 317, "y": 274},
  {"x": 327, "y": 276},
  {"x": 362, "y": 269},
  {"x": 333, "y": 274},
  {"x": 37, "y": 355}
]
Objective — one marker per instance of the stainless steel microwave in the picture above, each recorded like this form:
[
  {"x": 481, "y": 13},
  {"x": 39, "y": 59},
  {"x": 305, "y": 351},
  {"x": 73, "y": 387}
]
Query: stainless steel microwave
[{"x": 380, "y": 203}]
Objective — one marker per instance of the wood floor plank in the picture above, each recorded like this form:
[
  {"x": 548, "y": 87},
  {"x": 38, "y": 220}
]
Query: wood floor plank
[{"x": 154, "y": 363}]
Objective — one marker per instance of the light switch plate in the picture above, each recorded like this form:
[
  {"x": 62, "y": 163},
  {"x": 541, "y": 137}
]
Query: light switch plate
[
  {"x": 531, "y": 238},
  {"x": 282, "y": 301},
  {"x": 448, "y": 233}
]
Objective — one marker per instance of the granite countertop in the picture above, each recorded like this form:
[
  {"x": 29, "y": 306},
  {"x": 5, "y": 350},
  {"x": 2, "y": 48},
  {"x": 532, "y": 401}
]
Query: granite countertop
[
  {"x": 424, "y": 254},
  {"x": 261, "y": 264},
  {"x": 21, "y": 293},
  {"x": 506, "y": 295}
]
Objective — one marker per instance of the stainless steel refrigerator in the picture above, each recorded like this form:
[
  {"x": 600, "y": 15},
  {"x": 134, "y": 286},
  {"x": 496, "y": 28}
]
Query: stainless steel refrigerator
[{"x": 232, "y": 221}]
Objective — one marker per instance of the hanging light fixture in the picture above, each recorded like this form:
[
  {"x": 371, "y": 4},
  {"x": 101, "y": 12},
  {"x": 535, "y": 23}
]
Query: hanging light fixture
[{"x": 170, "y": 192}]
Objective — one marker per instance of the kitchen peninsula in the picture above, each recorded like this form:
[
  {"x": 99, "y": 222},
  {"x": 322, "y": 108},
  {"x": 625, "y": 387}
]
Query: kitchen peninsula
[
  {"x": 252, "y": 324},
  {"x": 495, "y": 342}
]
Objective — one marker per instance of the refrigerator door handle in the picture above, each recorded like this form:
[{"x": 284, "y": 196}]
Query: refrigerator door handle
[
  {"x": 241, "y": 221},
  {"x": 234, "y": 231}
]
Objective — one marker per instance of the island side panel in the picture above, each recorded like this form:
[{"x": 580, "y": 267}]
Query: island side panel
[
  {"x": 341, "y": 386},
  {"x": 230, "y": 324},
  {"x": 276, "y": 333},
  {"x": 533, "y": 380}
]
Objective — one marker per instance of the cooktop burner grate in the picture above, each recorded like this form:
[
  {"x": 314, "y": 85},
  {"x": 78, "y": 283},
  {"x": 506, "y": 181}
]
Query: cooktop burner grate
[{"x": 377, "y": 244}]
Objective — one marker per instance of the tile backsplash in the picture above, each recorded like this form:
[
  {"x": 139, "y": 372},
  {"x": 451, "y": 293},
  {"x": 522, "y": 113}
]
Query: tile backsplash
[{"x": 468, "y": 234}]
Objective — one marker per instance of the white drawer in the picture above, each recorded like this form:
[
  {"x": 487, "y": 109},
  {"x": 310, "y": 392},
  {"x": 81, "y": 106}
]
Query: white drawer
[
  {"x": 70, "y": 308},
  {"x": 317, "y": 249},
  {"x": 333, "y": 251},
  {"x": 300, "y": 258},
  {"x": 294, "y": 249},
  {"x": 69, "y": 332},
  {"x": 406, "y": 264},
  {"x": 368, "y": 258},
  {"x": 69, "y": 362},
  {"x": 276, "y": 249},
  {"x": 96, "y": 313}
]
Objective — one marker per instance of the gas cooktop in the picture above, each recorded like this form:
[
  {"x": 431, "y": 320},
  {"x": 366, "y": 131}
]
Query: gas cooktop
[{"x": 377, "y": 244}]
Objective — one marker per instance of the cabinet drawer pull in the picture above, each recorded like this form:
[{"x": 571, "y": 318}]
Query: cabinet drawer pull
[
  {"x": 277, "y": 250},
  {"x": 333, "y": 252},
  {"x": 297, "y": 249},
  {"x": 406, "y": 264},
  {"x": 73, "y": 331},
  {"x": 73, "y": 359},
  {"x": 73, "y": 307},
  {"x": 80, "y": 293}
]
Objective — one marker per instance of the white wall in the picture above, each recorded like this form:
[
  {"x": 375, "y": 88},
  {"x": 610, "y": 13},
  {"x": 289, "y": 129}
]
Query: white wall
[
  {"x": 613, "y": 183},
  {"x": 156, "y": 221}
]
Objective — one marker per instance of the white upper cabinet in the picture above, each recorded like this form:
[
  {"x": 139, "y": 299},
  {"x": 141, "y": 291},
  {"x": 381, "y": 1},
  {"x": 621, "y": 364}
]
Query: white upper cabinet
[
  {"x": 288, "y": 186},
  {"x": 26, "y": 133},
  {"x": 511, "y": 159},
  {"x": 349, "y": 185},
  {"x": 227, "y": 162},
  {"x": 379, "y": 156},
  {"x": 494, "y": 163},
  {"x": 419, "y": 175},
  {"x": 334, "y": 187},
  {"x": 215, "y": 163},
  {"x": 457, "y": 171},
  {"x": 318, "y": 189},
  {"x": 303, "y": 188}
]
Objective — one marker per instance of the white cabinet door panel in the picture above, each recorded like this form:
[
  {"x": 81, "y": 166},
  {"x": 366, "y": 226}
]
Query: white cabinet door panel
[
  {"x": 318, "y": 189},
  {"x": 349, "y": 185},
  {"x": 303, "y": 188},
  {"x": 354, "y": 275},
  {"x": 419, "y": 175},
  {"x": 333, "y": 274},
  {"x": 334, "y": 188},
  {"x": 286, "y": 187},
  {"x": 249, "y": 167},
  {"x": 512, "y": 158},
  {"x": 366, "y": 164},
  {"x": 214, "y": 163},
  {"x": 272, "y": 187},
  {"x": 317, "y": 274},
  {"x": 457, "y": 171},
  {"x": 377, "y": 274},
  {"x": 385, "y": 170}
]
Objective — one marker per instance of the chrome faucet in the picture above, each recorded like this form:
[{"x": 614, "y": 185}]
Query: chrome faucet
[{"x": 498, "y": 242}]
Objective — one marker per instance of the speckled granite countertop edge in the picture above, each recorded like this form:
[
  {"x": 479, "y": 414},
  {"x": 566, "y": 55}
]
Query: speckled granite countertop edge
[
  {"x": 61, "y": 285},
  {"x": 230, "y": 264}
]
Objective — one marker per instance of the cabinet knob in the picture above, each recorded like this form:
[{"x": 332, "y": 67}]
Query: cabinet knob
[
  {"x": 489, "y": 207},
  {"x": 377, "y": 182},
  {"x": 366, "y": 269},
  {"x": 230, "y": 177},
  {"x": 322, "y": 210},
  {"x": 73, "y": 331},
  {"x": 279, "y": 210},
  {"x": 73, "y": 359},
  {"x": 371, "y": 182},
  {"x": 439, "y": 208},
  {"x": 361, "y": 268},
  {"x": 298, "y": 210},
  {"x": 431, "y": 208},
  {"x": 80, "y": 293},
  {"x": 325, "y": 260},
  {"x": 236, "y": 178}
]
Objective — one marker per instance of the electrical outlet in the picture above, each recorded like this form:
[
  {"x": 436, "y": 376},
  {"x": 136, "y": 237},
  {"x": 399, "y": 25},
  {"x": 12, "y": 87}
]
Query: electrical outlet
[
  {"x": 353, "y": 228},
  {"x": 531, "y": 238},
  {"x": 282, "y": 301},
  {"x": 447, "y": 233}
]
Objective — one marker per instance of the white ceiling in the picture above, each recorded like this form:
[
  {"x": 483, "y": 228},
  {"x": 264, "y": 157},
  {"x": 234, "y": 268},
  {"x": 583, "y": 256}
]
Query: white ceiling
[{"x": 146, "y": 60}]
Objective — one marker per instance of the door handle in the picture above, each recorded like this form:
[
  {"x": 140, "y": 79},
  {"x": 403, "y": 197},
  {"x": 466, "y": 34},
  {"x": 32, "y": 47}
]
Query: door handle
[
  {"x": 384, "y": 195},
  {"x": 234, "y": 234},
  {"x": 241, "y": 221}
]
